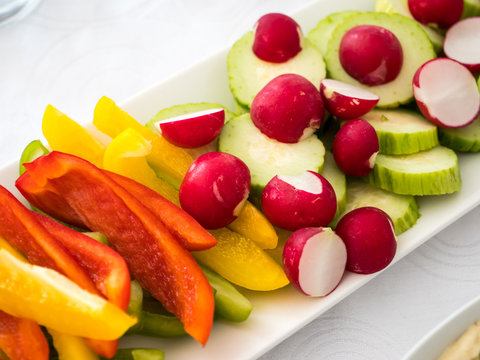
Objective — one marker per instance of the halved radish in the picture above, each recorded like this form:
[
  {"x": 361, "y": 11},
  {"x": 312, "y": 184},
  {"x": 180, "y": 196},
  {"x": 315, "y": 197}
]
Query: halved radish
[
  {"x": 277, "y": 38},
  {"x": 295, "y": 202},
  {"x": 192, "y": 130},
  {"x": 215, "y": 189},
  {"x": 288, "y": 109},
  {"x": 371, "y": 54},
  {"x": 446, "y": 93},
  {"x": 462, "y": 43},
  {"x": 346, "y": 101},
  {"x": 355, "y": 147},
  {"x": 442, "y": 13},
  {"x": 369, "y": 236},
  {"x": 314, "y": 260}
]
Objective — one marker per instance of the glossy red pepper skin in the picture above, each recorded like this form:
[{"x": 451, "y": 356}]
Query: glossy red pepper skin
[
  {"x": 155, "y": 258},
  {"x": 22, "y": 339}
]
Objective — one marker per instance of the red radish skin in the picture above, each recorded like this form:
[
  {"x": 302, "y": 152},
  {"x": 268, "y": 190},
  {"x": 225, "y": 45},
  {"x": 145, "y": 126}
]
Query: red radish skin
[
  {"x": 192, "y": 130},
  {"x": 295, "y": 202},
  {"x": 215, "y": 188},
  {"x": 355, "y": 147},
  {"x": 371, "y": 54},
  {"x": 277, "y": 38},
  {"x": 314, "y": 260},
  {"x": 346, "y": 101},
  {"x": 462, "y": 43},
  {"x": 288, "y": 109},
  {"x": 369, "y": 236},
  {"x": 440, "y": 13},
  {"x": 446, "y": 93}
]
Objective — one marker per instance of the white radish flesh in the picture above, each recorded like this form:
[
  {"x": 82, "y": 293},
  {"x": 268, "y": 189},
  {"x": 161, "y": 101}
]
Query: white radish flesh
[
  {"x": 462, "y": 43},
  {"x": 314, "y": 260},
  {"x": 446, "y": 93}
]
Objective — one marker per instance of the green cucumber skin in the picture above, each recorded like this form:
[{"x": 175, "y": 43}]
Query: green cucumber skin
[
  {"x": 455, "y": 141},
  {"x": 440, "y": 182},
  {"x": 159, "y": 325},
  {"x": 321, "y": 33},
  {"x": 135, "y": 305},
  {"x": 337, "y": 179},
  {"x": 471, "y": 8},
  {"x": 138, "y": 354},
  {"x": 32, "y": 151},
  {"x": 230, "y": 304},
  {"x": 398, "y": 91},
  {"x": 404, "y": 144}
]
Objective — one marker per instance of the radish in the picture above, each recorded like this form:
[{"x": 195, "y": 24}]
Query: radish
[
  {"x": 441, "y": 13},
  {"x": 277, "y": 38},
  {"x": 295, "y": 202},
  {"x": 462, "y": 43},
  {"x": 369, "y": 236},
  {"x": 288, "y": 109},
  {"x": 314, "y": 260},
  {"x": 371, "y": 54},
  {"x": 355, "y": 147},
  {"x": 446, "y": 93},
  {"x": 346, "y": 101},
  {"x": 215, "y": 189},
  {"x": 192, "y": 130}
]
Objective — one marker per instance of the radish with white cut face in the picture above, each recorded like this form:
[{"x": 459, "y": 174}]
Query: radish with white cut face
[
  {"x": 462, "y": 43},
  {"x": 278, "y": 38},
  {"x": 192, "y": 130},
  {"x": 288, "y": 109},
  {"x": 346, "y": 101},
  {"x": 446, "y": 93},
  {"x": 355, "y": 147},
  {"x": 215, "y": 189},
  {"x": 440, "y": 13},
  {"x": 295, "y": 202},
  {"x": 369, "y": 236},
  {"x": 314, "y": 260}
]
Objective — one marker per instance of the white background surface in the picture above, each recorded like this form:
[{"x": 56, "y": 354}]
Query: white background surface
[{"x": 70, "y": 53}]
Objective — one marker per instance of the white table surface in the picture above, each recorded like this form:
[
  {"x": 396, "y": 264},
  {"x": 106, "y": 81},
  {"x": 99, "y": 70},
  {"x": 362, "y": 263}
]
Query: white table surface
[{"x": 70, "y": 53}]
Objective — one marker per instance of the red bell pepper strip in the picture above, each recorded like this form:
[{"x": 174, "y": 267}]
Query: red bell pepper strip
[
  {"x": 155, "y": 258},
  {"x": 22, "y": 339},
  {"x": 184, "y": 227}
]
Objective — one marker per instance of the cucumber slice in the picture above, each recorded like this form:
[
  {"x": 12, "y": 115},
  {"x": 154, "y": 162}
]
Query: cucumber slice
[
  {"x": 321, "y": 33},
  {"x": 430, "y": 172},
  {"x": 417, "y": 50},
  {"x": 402, "y": 209},
  {"x": 471, "y": 8},
  {"x": 337, "y": 179},
  {"x": 402, "y": 132},
  {"x": 248, "y": 74},
  {"x": 401, "y": 7},
  {"x": 466, "y": 139},
  {"x": 183, "y": 109},
  {"x": 139, "y": 354},
  {"x": 266, "y": 157}
]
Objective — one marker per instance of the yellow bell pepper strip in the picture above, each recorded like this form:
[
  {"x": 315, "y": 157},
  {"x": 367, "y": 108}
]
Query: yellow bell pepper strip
[
  {"x": 171, "y": 164},
  {"x": 64, "y": 134},
  {"x": 22, "y": 339},
  {"x": 71, "y": 347},
  {"x": 242, "y": 262},
  {"x": 126, "y": 155},
  {"x": 155, "y": 258},
  {"x": 52, "y": 300}
]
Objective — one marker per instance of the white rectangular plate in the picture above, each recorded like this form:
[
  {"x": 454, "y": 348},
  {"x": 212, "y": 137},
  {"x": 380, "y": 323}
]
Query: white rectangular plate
[{"x": 277, "y": 314}]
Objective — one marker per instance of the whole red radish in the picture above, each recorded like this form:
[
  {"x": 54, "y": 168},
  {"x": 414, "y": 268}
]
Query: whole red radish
[
  {"x": 192, "y": 130},
  {"x": 314, "y": 260},
  {"x": 288, "y": 109},
  {"x": 441, "y": 13},
  {"x": 446, "y": 93},
  {"x": 277, "y": 38},
  {"x": 462, "y": 43},
  {"x": 295, "y": 202},
  {"x": 346, "y": 101},
  {"x": 355, "y": 147},
  {"x": 215, "y": 188},
  {"x": 371, "y": 54},
  {"x": 369, "y": 236}
]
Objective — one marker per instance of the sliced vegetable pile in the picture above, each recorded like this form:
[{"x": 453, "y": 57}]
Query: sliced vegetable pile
[{"x": 153, "y": 232}]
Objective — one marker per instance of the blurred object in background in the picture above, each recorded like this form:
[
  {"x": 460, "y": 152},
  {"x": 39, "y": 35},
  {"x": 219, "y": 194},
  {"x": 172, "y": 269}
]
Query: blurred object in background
[{"x": 13, "y": 10}]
